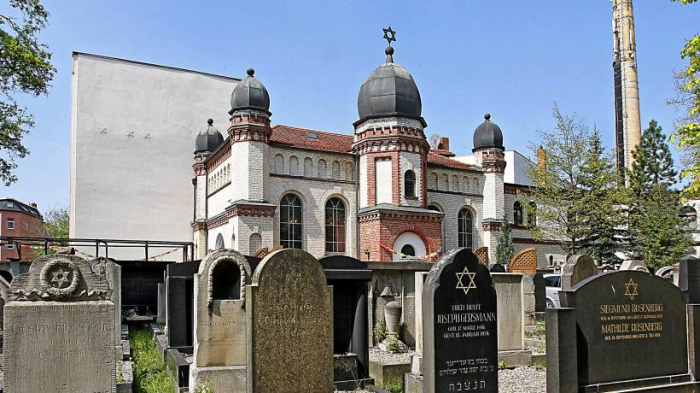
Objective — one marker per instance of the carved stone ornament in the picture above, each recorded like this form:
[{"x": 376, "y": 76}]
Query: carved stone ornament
[{"x": 60, "y": 278}]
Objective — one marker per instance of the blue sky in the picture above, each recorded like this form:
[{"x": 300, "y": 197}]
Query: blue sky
[{"x": 512, "y": 58}]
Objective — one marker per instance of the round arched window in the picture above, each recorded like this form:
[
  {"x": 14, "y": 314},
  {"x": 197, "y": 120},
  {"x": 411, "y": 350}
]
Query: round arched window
[{"x": 408, "y": 250}]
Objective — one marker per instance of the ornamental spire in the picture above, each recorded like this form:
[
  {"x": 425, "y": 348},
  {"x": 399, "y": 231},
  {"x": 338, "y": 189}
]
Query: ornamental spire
[{"x": 389, "y": 36}]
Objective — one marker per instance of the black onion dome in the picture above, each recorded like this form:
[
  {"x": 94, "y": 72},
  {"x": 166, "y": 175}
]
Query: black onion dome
[
  {"x": 389, "y": 90},
  {"x": 250, "y": 94},
  {"x": 209, "y": 139},
  {"x": 488, "y": 135}
]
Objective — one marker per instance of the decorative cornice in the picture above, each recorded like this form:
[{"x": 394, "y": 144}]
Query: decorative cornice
[
  {"x": 219, "y": 157},
  {"x": 250, "y": 210},
  {"x": 408, "y": 216},
  {"x": 493, "y": 161},
  {"x": 491, "y": 225},
  {"x": 514, "y": 189},
  {"x": 391, "y": 138}
]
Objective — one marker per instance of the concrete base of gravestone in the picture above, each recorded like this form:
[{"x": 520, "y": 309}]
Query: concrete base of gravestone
[
  {"x": 127, "y": 377},
  {"x": 417, "y": 364},
  {"x": 412, "y": 383},
  {"x": 419, "y": 281},
  {"x": 178, "y": 368},
  {"x": 224, "y": 379},
  {"x": 84, "y": 361},
  {"x": 511, "y": 317},
  {"x": 516, "y": 358},
  {"x": 529, "y": 299},
  {"x": 388, "y": 372}
]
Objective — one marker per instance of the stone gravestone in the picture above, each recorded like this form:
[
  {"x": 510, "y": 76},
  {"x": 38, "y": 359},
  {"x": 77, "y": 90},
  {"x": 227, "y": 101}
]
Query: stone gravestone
[
  {"x": 179, "y": 304},
  {"x": 59, "y": 329},
  {"x": 460, "y": 347},
  {"x": 220, "y": 322},
  {"x": 634, "y": 264},
  {"x": 4, "y": 290},
  {"x": 112, "y": 273},
  {"x": 616, "y": 331},
  {"x": 689, "y": 279},
  {"x": 577, "y": 268},
  {"x": 290, "y": 325}
]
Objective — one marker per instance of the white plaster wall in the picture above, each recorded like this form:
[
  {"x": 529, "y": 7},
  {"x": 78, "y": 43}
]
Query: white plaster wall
[
  {"x": 384, "y": 181},
  {"x": 410, "y": 161},
  {"x": 517, "y": 168},
  {"x": 493, "y": 195},
  {"x": 314, "y": 194},
  {"x": 218, "y": 202},
  {"x": 133, "y": 130},
  {"x": 409, "y": 238},
  {"x": 226, "y": 231},
  {"x": 201, "y": 192}
]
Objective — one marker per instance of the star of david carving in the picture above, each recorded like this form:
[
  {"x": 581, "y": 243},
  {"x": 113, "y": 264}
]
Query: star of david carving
[
  {"x": 60, "y": 277},
  {"x": 389, "y": 35},
  {"x": 470, "y": 276},
  {"x": 633, "y": 293}
]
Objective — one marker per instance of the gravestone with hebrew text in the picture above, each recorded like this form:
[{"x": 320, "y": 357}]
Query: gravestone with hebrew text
[
  {"x": 290, "y": 325},
  {"x": 59, "y": 329},
  {"x": 460, "y": 338},
  {"x": 220, "y": 322}
]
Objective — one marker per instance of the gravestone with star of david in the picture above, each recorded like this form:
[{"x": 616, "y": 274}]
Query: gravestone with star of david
[
  {"x": 60, "y": 327},
  {"x": 617, "y": 329},
  {"x": 460, "y": 338}
]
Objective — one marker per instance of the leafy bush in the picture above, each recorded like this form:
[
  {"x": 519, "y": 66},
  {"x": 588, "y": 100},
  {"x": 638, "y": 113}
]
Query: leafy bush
[
  {"x": 150, "y": 373},
  {"x": 394, "y": 385},
  {"x": 379, "y": 331}
]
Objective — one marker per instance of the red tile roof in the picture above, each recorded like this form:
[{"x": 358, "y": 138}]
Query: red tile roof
[
  {"x": 305, "y": 138},
  {"x": 311, "y": 139}
]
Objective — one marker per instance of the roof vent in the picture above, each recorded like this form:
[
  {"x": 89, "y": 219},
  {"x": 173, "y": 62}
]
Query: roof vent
[{"x": 311, "y": 135}]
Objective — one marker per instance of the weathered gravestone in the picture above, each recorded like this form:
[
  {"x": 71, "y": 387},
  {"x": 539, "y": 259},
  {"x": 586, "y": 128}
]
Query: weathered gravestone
[
  {"x": 689, "y": 279},
  {"x": 460, "y": 347},
  {"x": 290, "y": 325},
  {"x": 4, "y": 290},
  {"x": 59, "y": 329},
  {"x": 576, "y": 269},
  {"x": 220, "y": 322},
  {"x": 615, "y": 331},
  {"x": 634, "y": 264}
]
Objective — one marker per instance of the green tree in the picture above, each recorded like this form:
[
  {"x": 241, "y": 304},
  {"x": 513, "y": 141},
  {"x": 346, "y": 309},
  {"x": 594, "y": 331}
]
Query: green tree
[
  {"x": 600, "y": 212},
  {"x": 687, "y": 133},
  {"x": 25, "y": 68},
  {"x": 56, "y": 222},
  {"x": 505, "y": 249},
  {"x": 654, "y": 207}
]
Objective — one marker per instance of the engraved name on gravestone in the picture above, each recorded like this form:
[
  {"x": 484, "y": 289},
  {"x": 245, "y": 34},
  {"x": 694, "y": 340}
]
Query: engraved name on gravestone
[
  {"x": 59, "y": 329},
  {"x": 290, "y": 325},
  {"x": 460, "y": 340},
  {"x": 631, "y": 325}
]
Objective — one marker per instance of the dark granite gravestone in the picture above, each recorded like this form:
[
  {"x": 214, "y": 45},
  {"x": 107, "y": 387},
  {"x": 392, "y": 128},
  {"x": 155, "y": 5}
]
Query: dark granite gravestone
[
  {"x": 179, "y": 304},
  {"x": 460, "y": 341},
  {"x": 497, "y": 268},
  {"x": 540, "y": 292},
  {"x": 625, "y": 329},
  {"x": 689, "y": 281}
]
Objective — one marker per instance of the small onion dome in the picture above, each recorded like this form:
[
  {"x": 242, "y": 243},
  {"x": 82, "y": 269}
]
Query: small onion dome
[
  {"x": 488, "y": 135},
  {"x": 250, "y": 94},
  {"x": 389, "y": 90},
  {"x": 209, "y": 139}
]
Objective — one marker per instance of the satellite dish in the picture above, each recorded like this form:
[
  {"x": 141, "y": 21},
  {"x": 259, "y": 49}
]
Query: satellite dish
[{"x": 434, "y": 141}]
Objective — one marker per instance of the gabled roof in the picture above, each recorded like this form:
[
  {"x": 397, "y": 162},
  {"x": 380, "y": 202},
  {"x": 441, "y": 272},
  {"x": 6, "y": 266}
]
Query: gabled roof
[
  {"x": 304, "y": 138},
  {"x": 10, "y": 204}
]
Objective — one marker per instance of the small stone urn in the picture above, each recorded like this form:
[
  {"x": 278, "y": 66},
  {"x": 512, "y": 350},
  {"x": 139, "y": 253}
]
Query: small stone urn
[{"x": 392, "y": 316}]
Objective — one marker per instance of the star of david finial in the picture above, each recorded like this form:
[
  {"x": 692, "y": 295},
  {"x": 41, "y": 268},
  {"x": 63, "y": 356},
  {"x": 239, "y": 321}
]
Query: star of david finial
[
  {"x": 633, "y": 293},
  {"x": 470, "y": 285},
  {"x": 389, "y": 35}
]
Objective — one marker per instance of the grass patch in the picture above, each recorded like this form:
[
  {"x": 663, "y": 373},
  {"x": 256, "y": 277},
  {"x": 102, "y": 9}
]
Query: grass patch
[
  {"x": 150, "y": 373},
  {"x": 394, "y": 385}
]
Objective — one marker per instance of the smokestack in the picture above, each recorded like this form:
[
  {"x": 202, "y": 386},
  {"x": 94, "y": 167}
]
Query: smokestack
[
  {"x": 541, "y": 159},
  {"x": 444, "y": 143},
  {"x": 33, "y": 204}
]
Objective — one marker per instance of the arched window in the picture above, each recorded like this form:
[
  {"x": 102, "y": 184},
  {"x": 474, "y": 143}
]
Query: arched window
[
  {"x": 689, "y": 217},
  {"x": 532, "y": 215},
  {"x": 335, "y": 167},
  {"x": 434, "y": 208},
  {"x": 233, "y": 241},
  {"x": 465, "y": 229},
  {"x": 294, "y": 166},
  {"x": 408, "y": 250},
  {"x": 322, "y": 168},
  {"x": 475, "y": 186},
  {"x": 433, "y": 185},
  {"x": 465, "y": 183},
  {"x": 335, "y": 225},
  {"x": 349, "y": 171},
  {"x": 517, "y": 213},
  {"x": 455, "y": 183},
  {"x": 220, "y": 242},
  {"x": 279, "y": 163},
  {"x": 255, "y": 243},
  {"x": 445, "y": 186},
  {"x": 308, "y": 167},
  {"x": 409, "y": 184},
  {"x": 290, "y": 221}
]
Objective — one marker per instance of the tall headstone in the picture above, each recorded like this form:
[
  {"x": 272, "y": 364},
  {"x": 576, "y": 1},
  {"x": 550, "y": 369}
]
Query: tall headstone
[
  {"x": 634, "y": 264},
  {"x": 4, "y": 291},
  {"x": 220, "y": 322},
  {"x": 290, "y": 325},
  {"x": 577, "y": 268},
  {"x": 689, "y": 278},
  {"x": 179, "y": 304},
  {"x": 625, "y": 329},
  {"x": 59, "y": 329},
  {"x": 460, "y": 338},
  {"x": 112, "y": 273}
]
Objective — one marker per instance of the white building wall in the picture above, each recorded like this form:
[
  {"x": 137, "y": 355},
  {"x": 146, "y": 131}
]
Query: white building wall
[
  {"x": 410, "y": 161},
  {"x": 226, "y": 231},
  {"x": 247, "y": 226},
  {"x": 133, "y": 128},
  {"x": 517, "y": 168},
  {"x": 384, "y": 181}
]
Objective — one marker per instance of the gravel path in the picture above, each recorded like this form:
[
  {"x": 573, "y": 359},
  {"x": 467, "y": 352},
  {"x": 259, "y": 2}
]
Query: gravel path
[{"x": 522, "y": 380}]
